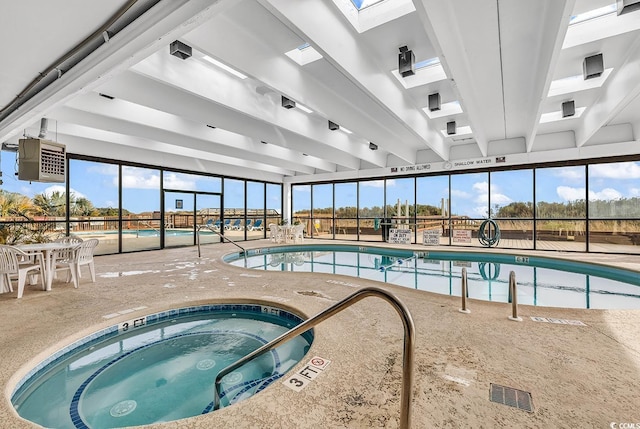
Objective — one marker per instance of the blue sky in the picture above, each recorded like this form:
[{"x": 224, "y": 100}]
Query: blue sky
[{"x": 98, "y": 183}]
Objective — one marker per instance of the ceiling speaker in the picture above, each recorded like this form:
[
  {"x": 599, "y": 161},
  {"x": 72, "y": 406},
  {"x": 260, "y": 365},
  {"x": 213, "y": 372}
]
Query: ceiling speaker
[
  {"x": 592, "y": 66},
  {"x": 568, "y": 108},
  {"x": 406, "y": 59},
  {"x": 451, "y": 127},
  {"x": 434, "y": 102},
  {"x": 180, "y": 50},
  {"x": 288, "y": 104}
]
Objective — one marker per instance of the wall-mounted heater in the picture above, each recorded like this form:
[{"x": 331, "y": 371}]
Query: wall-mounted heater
[{"x": 41, "y": 160}]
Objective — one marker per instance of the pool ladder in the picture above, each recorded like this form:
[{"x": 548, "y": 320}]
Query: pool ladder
[
  {"x": 222, "y": 237},
  {"x": 513, "y": 295},
  {"x": 407, "y": 357}
]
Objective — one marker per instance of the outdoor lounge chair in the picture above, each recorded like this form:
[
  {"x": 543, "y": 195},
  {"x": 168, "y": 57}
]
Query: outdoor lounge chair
[
  {"x": 257, "y": 225},
  {"x": 236, "y": 224}
]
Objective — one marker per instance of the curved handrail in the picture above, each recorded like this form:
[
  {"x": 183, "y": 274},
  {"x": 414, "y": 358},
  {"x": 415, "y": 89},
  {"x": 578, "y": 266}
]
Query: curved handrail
[
  {"x": 222, "y": 236},
  {"x": 407, "y": 357},
  {"x": 144, "y": 222}
]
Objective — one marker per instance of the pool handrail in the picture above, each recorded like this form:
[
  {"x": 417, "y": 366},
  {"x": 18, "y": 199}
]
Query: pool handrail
[
  {"x": 408, "y": 347},
  {"x": 514, "y": 297},
  {"x": 222, "y": 237},
  {"x": 146, "y": 223},
  {"x": 464, "y": 292}
]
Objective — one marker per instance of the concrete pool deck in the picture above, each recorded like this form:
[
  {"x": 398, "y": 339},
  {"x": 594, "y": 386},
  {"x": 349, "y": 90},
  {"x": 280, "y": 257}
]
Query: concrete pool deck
[{"x": 578, "y": 376}]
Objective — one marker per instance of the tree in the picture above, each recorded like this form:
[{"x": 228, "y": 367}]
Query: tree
[
  {"x": 52, "y": 204},
  {"x": 83, "y": 207}
]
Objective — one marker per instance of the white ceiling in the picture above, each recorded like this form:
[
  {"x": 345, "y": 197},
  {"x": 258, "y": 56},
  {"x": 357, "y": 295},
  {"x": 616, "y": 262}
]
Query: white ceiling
[{"x": 500, "y": 58}]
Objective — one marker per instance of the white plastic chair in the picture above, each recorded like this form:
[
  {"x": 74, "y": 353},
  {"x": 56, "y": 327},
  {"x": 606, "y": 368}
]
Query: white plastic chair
[
  {"x": 10, "y": 266},
  {"x": 274, "y": 232},
  {"x": 72, "y": 259},
  {"x": 71, "y": 239},
  {"x": 297, "y": 233}
]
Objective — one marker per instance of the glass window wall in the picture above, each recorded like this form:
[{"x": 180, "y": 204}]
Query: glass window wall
[{"x": 322, "y": 214}]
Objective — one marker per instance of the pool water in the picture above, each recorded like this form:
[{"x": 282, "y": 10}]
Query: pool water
[
  {"x": 161, "y": 371},
  {"x": 540, "y": 281}
]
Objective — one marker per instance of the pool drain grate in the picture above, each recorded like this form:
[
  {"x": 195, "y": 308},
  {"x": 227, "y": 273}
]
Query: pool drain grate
[{"x": 511, "y": 397}]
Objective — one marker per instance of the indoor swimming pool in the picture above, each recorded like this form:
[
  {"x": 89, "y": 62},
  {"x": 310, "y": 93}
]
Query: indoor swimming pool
[
  {"x": 159, "y": 368},
  {"x": 541, "y": 281}
]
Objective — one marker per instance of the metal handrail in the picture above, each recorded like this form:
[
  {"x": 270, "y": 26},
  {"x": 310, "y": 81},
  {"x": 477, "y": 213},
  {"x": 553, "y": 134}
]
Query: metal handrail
[
  {"x": 222, "y": 236},
  {"x": 407, "y": 357},
  {"x": 514, "y": 297},
  {"x": 146, "y": 224},
  {"x": 464, "y": 308}
]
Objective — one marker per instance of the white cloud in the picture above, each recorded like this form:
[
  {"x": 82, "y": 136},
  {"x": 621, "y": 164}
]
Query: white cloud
[
  {"x": 104, "y": 169},
  {"x": 481, "y": 187},
  {"x": 605, "y": 194},
  {"x": 500, "y": 199},
  {"x": 177, "y": 181},
  {"x": 460, "y": 194},
  {"x": 302, "y": 188},
  {"x": 619, "y": 170},
  {"x": 373, "y": 183},
  {"x": 480, "y": 211},
  {"x": 568, "y": 193},
  {"x": 634, "y": 192},
  {"x": 61, "y": 189},
  {"x": 571, "y": 173}
]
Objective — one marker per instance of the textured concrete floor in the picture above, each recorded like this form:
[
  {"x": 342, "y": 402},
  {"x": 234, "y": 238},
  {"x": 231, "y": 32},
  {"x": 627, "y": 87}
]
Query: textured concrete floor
[{"x": 578, "y": 376}]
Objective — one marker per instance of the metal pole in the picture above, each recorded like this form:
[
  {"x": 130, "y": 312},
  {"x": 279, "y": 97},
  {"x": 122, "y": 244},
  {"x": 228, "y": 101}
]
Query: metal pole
[
  {"x": 464, "y": 308},
  {"x": 514, "y": 298}
]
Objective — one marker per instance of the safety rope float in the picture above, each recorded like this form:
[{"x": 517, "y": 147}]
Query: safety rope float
[{"x": 486, "y": 239}]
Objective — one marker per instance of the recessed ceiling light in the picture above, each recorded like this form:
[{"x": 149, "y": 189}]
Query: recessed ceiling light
[
  {"x": 224, "y": 67},
  {"x": 304, "y": 108}
]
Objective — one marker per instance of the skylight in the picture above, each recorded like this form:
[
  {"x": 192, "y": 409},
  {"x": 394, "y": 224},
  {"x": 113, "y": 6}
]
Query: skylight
[
  {"x": 460, "y": 131},
  {"x": 576, "y": 83},
  {"x": 446, "y": 109},
  {"x": 362, "y": 4},
  {"x": 427, "y": 71},
  {"x": 364, "y": 15},
  {"x": 592, "y": 14},
  {"x": 427, "y": 63},
  {"x": 304, "y": 54},
  {"x": 557, "y": 115}
]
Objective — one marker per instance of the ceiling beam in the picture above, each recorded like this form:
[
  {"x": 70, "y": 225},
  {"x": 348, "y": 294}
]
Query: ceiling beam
[
  {"x": 619, "y": 90},
  {"x": 115, "y": 115},
  {"x": 341, "y": 48},
  {"x": 235, "y": 105}
]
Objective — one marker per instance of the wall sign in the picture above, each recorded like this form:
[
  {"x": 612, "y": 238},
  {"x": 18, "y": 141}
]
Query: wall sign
[
  {"x": 461, "y": 236},
  {"x": 399, "y": 236},
  {"x": 178, "y": 204},
  {"x": 431, "y": 237}
]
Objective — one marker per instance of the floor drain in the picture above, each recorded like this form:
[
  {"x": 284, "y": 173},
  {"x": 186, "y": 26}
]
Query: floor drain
[{"x": 511, "y": 397}]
